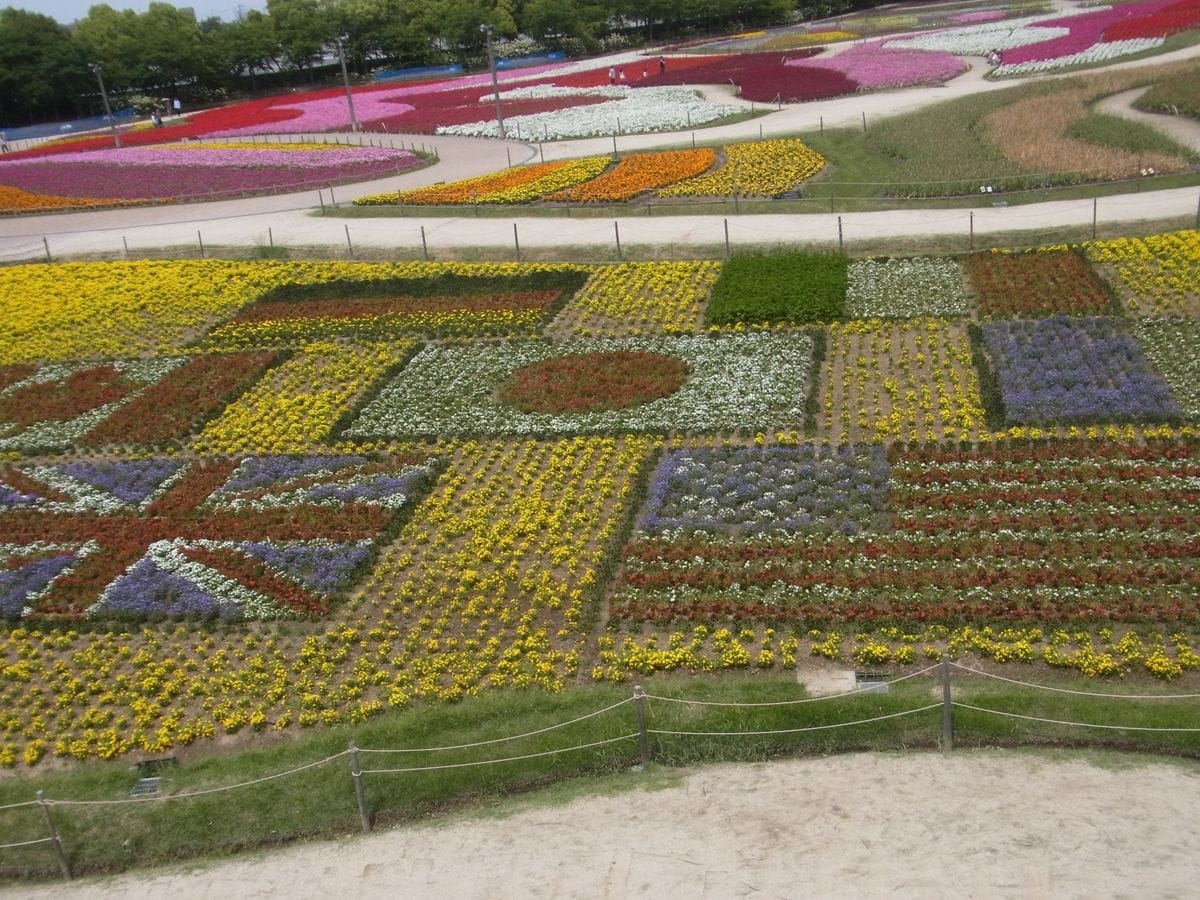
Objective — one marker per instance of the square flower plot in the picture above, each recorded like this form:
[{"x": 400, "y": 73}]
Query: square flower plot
[
  {"x": 438, "y": 305},
  {"x": 267, "y": 537},
  {"x": 905, "y": 288},
  {"x": 1064, "y": 370},
  {"x": 57, "y": 405},
  {"x": 667, "y": 384},
  {"x": 1041, "y": 283},
  {"x": 751, "y": 490}
]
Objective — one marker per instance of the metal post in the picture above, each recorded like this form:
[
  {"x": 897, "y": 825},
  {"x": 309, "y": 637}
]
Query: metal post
[
  {"x": 508, "y": 151},
  {"x": 321, "y": 199},
  {"x": 617, "y": 233},
  {"x": 332, "y": 201},
  {"x": 359, "y": 794},
  {"x": 491, "y": 53},
  {"x": 55, "y": 840},
  {"x": 516, "y": 242},
  {"x": 349, "y": 246},
  {"x": 200, "y": 241},
  {"x": 822, "y": 124},
  {"x": 614, "y": 143},
  {"x": 841, "y": 244},
  {"x": 972, "y": 215},
  {"x": 346, "y": 81},
  {"x": 947, "y": 709},
  {"x": 125, "y": 241},
  {"x": 727, "y": 239},
  {"x": 760, "y": 131},
  {"x": 864, "y": 120},
  {"x": 618, "y": 124},
  {"x": 271, "y": 237},
  {"x": 541, "y": 151},
  {"x": 424, "y": 246},
  {"x": 693, "y": 140},
  {"x": 639, "y": 704},
  {"x": 46, "y": 245},
  {"x": 112, "y": 123},
  {"x": 1094, "y": 203}
]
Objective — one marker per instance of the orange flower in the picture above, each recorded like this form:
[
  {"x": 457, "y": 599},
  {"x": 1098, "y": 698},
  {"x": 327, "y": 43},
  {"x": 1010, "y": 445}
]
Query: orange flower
[{"x": 640, "y": 172}]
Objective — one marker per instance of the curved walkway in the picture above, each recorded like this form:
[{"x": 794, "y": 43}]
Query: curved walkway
[{"x": 286, "y": 220}]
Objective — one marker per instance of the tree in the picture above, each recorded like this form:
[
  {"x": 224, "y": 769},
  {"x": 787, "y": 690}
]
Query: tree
[
  {"x": 109, "y": 38},
  {"x": 302, "y": 28},
  {"x": 171, "y": 50},
  {"x": 41, "y": 68},
  {"x": 248, "y": 46}
]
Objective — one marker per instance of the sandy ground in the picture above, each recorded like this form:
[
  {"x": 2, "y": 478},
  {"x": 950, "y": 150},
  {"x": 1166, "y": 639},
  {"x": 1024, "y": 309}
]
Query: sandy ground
[{"x": 973, "y": 824}]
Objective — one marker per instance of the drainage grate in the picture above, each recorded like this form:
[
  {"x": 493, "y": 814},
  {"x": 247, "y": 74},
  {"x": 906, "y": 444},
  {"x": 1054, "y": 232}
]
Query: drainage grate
[{"x": 145, "y": 787}]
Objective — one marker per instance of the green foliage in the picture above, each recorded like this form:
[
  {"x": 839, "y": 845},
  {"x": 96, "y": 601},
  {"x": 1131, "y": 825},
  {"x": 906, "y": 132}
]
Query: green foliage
[
  {"x": 1177, "y": 96},
  {"x": 794, "y": 286},
  {"x": 1113, "y": 131}
]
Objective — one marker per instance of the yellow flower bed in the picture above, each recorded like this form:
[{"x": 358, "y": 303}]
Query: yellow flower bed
[
  {"x": 640, "y": 172},
  {"x": 297, "y": 403},
  {"x": 911, "y": 381},
  {"x": 1157, "y": 275},
  {"x": 87, "y": 310},
  {"x": 792, "y": 41},
  {"x": 640, "y": 298},
  {"x": 519, "y": 185},
  {"x": 766, "y": 168}
]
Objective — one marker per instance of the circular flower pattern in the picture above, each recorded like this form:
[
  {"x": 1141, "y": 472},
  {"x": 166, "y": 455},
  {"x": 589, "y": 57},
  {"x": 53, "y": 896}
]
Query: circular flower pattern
[{"x": 592, "y": 382}]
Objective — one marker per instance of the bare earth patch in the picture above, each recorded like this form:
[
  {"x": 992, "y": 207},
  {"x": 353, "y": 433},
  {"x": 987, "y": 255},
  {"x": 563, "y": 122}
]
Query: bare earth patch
[{"x": 967, "y": 824}]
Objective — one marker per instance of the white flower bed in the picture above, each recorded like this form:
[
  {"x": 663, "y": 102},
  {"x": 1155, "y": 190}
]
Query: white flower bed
[
  {"x": 1097, "y": 53},
  {"x": 544, "y": 91},
  {"x": 640, "y": 110},
  {"x": 979, "y": 40},
  {"x": 752, "y": 381},
  {"x": 905, "y": 288}
]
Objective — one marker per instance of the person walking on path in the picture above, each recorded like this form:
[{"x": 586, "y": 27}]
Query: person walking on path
[{"x": 612, "y": 75}]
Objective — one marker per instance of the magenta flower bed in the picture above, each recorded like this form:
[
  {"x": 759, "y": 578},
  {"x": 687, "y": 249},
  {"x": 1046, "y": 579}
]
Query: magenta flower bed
[
  {"x": 238, "y": 157},
  {"x": 1086, "y": 30},
  {"x": 180, "y": 181},
  {"x": 874, "y": 66}
]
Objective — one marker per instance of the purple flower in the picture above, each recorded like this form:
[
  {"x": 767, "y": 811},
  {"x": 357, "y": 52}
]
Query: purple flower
[
  {"x": 130, "y": 481},
  {"x": 16, "y": 585},
  {"x": 265, "y": 471},
  {"x": 148, "y": 591},
  {"x": 326, "y": 568}
]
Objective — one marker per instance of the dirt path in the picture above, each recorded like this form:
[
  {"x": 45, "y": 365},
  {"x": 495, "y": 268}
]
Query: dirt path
[{"x": 974, "y": 824}]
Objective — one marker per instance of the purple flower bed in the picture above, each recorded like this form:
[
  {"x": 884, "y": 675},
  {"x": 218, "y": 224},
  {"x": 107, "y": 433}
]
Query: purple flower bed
[
  {"x": 148, "y": 591},
  {"x": 325, "y": 568},
  {"x": 1064, "y": 370},
  {"x": 1085, "y": 31},
  {"x": 874, "y": 66},
  {"x": 130, "y": 481},
  {"x": 749, "y": 490},
  {"x": 180, "y": 180},
  {"x": 263, "y": 471},
  {"x": 17, "y": 585},
  {"x": 12, "y": 497}
]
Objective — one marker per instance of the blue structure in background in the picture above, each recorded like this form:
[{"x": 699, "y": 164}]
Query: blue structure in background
[
  {"x": 54, "y": 129},
  {"x": 520, "y": 62},
  {"x": 418, "y": 72}
]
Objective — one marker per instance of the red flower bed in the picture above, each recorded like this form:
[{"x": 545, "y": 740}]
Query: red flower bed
[
  {"x": 1036, "y": 284},
  {"x": 176, "y": 404},
  {"x": 587, "y": 382},
  {"x": 762, "y": 77},
  {"x": 61, "y": 401},
  {"x": 1167, "y": 21}
]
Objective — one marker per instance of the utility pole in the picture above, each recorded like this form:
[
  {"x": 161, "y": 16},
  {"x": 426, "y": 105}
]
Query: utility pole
[
  {"x": 487, "y": 33},
  {"x": 99, "y": 70},
  {"x": 346, "y": 81}
]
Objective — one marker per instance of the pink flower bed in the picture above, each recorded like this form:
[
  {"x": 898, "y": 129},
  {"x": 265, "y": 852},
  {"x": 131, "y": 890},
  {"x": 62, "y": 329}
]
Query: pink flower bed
[
  {"x": 874, "y": 66},
  {"x": 151, "y": 174},
  {"x": 1088, "y": 30}
]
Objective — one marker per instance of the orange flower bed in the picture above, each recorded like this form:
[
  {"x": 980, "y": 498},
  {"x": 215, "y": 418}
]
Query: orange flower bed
[
  {"x": 15, "y": 200},
  {"x": 640, "y": 172},
  {"x": 473, "y": 190}
]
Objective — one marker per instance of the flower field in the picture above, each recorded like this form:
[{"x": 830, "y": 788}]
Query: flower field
[{"x": 266, "y": 496}]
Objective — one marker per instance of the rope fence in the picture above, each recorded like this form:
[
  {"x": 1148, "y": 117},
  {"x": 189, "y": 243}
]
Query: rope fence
[{"x": 645, "y": 734}]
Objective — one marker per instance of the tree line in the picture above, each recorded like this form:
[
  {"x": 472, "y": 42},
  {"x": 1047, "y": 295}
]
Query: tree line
[{"x": 45, "y": 72}]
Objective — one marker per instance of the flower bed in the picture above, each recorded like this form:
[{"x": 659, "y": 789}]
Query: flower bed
[
  {"x": 904, "y": 288},
  {"x": 145, "y": 174},
  {"x": 1170, "y": 346},
  {"x": 639, "y": 298},
  {"x": 637, "y": 173},
  {"x": 1036, "y": 284},
  {"x": 593, "y": 382},
  {"x": 799, "y": 286},
  {"x": 765, "y": 77},
  {"x": 1053, "y": 535},
  {"x": 765, "y": 168},
  {"x": 740, "y": 381},
  {"x": 1074, "y": 370},
  {"x": 874, "y": 65},
  {"x": 1157, "y": 275},
  {"x": 147, "y": 545},
  {"x": 911, "y": 381},
  {"x": 519, "y": 185}
]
